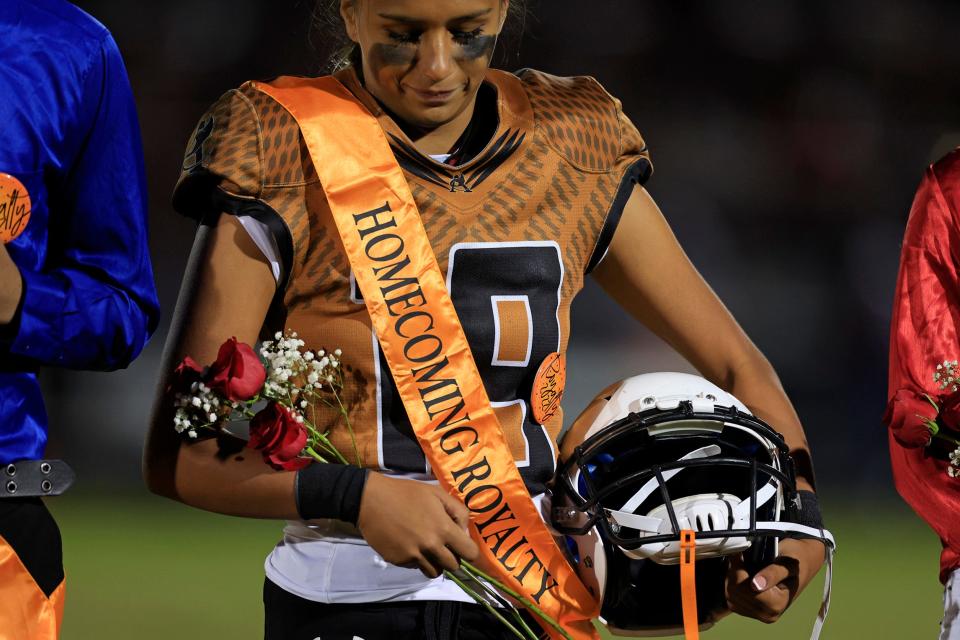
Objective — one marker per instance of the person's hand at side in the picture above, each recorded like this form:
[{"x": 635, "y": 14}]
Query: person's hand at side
[
  {"x": 410, "y": 523},
  {"x": 766, "y": 594}
]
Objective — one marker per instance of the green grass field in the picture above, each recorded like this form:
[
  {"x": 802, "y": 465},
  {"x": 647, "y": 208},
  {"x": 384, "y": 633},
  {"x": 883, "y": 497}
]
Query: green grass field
[{"x": 146, "y": 568}]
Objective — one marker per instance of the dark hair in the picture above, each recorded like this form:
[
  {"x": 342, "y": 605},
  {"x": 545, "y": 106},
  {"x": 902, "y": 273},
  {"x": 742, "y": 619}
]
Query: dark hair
[{"x": 328, "y": 36}]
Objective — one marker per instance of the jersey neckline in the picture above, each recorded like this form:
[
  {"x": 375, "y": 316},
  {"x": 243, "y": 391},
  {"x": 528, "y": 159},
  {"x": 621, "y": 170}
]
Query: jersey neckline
[{"x": 514, "y": 116}]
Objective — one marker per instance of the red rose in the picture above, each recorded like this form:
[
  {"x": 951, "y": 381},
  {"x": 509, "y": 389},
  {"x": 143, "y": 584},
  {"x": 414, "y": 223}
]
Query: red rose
[
  {"x": 276, "y": 433},
  {"x": 950, "y": 410},
  {"x": 186, "y": 373},
  {"x": 238, "y": 373},
  {"x": 905, "y": 417}
]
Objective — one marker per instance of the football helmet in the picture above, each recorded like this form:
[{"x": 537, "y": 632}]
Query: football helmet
[{"x": 652, "y": 458}]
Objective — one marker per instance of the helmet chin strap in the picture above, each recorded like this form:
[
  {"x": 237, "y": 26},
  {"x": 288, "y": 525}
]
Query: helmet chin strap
[
  {"x": 688, "y": 581},
  {"x": 651, "y": 485},
  {"x": 688, "y": 584}
]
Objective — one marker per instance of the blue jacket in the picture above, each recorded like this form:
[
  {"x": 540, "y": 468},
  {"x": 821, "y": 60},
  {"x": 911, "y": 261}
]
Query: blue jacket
[{"x": 70, "y": 135}]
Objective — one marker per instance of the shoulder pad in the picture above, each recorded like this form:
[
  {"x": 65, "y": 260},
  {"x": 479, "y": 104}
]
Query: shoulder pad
[{"x": 580, "y": 119}]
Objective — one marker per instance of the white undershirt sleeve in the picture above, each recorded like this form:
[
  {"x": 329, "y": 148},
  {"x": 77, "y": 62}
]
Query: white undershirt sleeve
[{"x": 262, "y": 237}]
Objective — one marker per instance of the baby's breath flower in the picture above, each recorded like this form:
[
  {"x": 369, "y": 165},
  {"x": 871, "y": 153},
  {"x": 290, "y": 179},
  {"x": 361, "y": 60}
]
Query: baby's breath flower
[{"x": 946, "y": 376}]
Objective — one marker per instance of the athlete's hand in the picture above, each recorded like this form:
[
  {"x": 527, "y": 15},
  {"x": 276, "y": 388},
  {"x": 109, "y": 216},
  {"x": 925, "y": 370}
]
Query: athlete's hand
[
  {"x": 766, "y": 594},
  {"x": 415, "y": 524}
]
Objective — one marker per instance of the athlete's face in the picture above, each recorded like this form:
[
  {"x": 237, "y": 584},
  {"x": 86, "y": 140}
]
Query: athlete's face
[{"x": 424, "y": 60}]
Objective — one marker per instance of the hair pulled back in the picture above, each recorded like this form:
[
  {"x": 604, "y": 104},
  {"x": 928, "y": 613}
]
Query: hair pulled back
[{"x": 328, "y": 36}]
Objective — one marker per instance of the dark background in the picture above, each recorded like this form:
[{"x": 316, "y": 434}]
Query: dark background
[{"x": 787, "y": 137}]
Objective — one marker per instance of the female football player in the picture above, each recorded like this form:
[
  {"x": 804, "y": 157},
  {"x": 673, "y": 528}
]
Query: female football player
[{"x": 525, "y": 183}]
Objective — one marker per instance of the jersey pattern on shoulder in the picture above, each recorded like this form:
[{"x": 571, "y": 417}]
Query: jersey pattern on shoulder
[{"x": 515, "y": 229}]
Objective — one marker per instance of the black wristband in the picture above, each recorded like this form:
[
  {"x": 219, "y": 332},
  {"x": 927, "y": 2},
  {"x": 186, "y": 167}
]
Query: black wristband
[
  {"x": 329, "y": 490},
  {"x": 809, "y": 512}
]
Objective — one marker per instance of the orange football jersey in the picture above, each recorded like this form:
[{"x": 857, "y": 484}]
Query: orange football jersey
[{"x": 515, "y": 229}]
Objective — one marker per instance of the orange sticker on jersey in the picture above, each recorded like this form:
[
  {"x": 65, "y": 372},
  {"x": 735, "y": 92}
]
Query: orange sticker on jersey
[
  {"x": 14, "y": 207},
  {"x": 548, "y": 387}
]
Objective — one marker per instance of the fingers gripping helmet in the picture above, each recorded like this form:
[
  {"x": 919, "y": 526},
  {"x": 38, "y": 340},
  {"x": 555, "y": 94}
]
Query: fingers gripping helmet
[{"x": 652, "y": 457}]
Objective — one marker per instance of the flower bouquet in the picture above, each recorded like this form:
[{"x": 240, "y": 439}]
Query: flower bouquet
[
  {"x": 931, "y": 421},
  {"x": 279, "y": 393}
]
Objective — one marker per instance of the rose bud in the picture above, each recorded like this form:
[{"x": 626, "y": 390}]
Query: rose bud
[
  {"x": 275, "y": 432},
  {"x": 238, "y": 373},
  {"x": 950, "y": 410},
  {"x": 905, "y": 416},
  {"x": 186, "y": 373}
]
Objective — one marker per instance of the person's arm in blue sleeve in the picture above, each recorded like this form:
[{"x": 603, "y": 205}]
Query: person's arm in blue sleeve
[{"x": 94, "y": 303}]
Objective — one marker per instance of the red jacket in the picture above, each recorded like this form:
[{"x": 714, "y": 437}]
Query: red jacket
[{"x": 925, "y": 331}]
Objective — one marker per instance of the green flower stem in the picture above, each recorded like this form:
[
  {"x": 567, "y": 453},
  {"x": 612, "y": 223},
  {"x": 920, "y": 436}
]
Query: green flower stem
[
  {"x": 346, "y": 419},
  {"x": 325, "y": 442},
  {"x": 528, "y": 604},
  {"x": 493, "y": 594},
  {"x": 328, "y": 450},
  {"x": 486, "y": 605},
  {"x": 332, "y": 449},
  {"x": 316, "y": 456}
]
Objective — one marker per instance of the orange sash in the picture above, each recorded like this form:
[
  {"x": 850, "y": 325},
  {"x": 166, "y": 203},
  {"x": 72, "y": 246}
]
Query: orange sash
[
  {"x": 424, "y": 344},
  {"x": 26, "y": 613}
]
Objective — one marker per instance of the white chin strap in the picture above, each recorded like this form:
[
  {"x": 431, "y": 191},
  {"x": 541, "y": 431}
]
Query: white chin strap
[
  {"x": 830, "y": 547},
  {"x": 737, "y": 516},
  {"x": 651, "y": 485}
]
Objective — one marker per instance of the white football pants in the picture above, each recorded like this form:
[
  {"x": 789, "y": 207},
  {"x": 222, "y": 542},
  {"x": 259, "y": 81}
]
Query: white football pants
[{"x": 950, "y": 625}]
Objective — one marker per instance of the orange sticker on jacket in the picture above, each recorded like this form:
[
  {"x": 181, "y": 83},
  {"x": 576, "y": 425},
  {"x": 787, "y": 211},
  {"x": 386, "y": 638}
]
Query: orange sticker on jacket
[
  {"x": 14, "y": 207},
  {"x": 548, "y": 387}
]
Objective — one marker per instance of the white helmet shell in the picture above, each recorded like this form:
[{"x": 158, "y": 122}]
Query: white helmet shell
[{"x": 662, "y": 390}]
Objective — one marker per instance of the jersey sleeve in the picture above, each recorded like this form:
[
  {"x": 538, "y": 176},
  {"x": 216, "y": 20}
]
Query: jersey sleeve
[
  {"x": 587, "y": 127},
  {"x": 226, "y": 169},
  {"x": 93, "y": 304},
  {"x": 222, "y": 158},
  {"x": 633, "y": 166}
]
